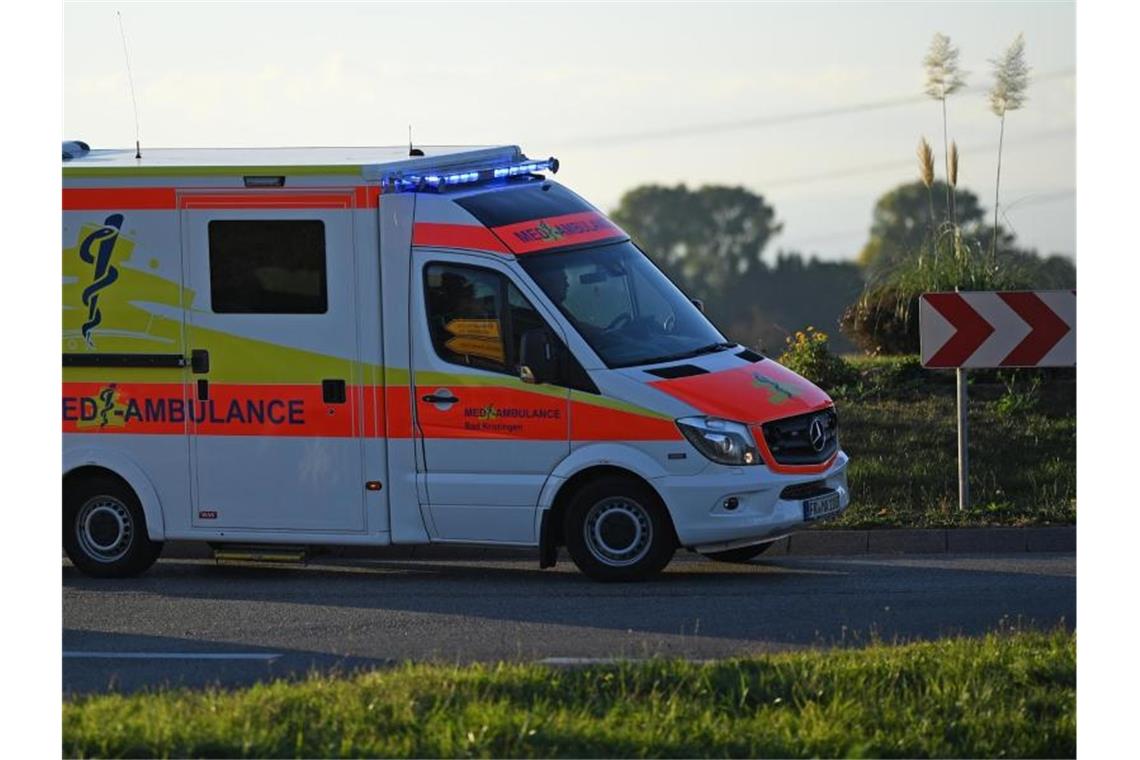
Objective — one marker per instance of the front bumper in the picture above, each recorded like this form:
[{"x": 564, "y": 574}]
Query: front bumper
[{"x": 697, "y": 503}]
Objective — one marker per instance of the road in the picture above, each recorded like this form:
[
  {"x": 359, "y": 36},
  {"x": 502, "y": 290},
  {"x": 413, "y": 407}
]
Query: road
[{"x": 192, "y": 622}]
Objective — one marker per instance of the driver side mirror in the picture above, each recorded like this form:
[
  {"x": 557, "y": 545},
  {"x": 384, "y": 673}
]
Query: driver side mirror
[
  {"x": 538, "y": 357},
  {"x": 699, "y": 304}
]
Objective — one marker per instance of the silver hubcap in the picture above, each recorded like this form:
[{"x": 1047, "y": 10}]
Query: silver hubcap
[
  {"x": 618, "y": 531},
  {"x": 104, "y": 528}
]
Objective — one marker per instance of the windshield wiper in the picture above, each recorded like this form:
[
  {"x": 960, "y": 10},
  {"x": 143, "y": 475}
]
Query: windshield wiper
[
  {"x": 709, "y": 349},
  {"x": 712, "y": 348}
]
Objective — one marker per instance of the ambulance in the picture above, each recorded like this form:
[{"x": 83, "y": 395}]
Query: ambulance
[{"x": 275, "y": 350}]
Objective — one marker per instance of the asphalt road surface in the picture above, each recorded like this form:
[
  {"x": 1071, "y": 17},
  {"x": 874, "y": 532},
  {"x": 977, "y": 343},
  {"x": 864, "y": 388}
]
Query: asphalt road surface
[{"x": 192, "y": 622}]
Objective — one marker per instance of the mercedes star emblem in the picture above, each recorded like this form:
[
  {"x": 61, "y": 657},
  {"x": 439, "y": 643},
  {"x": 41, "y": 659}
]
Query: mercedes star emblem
[{"x": 817, "y": 435}]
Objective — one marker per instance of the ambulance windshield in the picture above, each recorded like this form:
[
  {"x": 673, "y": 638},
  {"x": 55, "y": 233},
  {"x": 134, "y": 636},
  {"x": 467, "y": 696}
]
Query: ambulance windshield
[{"x": 623, "y": 306}]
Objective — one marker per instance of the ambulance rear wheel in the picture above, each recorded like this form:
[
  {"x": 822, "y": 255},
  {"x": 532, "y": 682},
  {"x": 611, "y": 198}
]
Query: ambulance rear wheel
[
  {"x": 104, "y": 529},
  {"x": 617, "y": 529}
]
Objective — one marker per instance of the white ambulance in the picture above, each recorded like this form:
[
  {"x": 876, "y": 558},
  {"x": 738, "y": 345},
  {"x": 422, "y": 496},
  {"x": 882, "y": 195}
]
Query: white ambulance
[{"x": 279, "y": 349}]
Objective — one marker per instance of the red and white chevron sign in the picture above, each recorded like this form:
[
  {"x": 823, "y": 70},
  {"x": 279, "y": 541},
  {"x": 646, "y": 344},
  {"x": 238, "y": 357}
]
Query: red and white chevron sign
[{"x": 1002, "y": 329}]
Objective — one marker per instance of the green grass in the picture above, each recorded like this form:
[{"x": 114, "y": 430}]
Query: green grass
[
  {"x": 1009, "y": 694},
  {"x": 899, "y": 426}
]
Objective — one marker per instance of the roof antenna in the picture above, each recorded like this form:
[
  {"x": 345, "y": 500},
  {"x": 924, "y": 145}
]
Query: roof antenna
[
  {"x": 412, "y": 151},
  {"x": 131, "y": 82}
]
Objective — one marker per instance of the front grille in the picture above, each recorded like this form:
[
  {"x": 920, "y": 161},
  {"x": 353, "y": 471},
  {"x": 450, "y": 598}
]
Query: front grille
[{"x": 790, "y": 441}]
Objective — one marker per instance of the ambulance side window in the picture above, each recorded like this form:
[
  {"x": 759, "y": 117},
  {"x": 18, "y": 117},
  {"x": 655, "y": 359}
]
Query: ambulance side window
[
  {"x": 270, "y": 266},
  {"x": 465, "y": 315},
  {"x": 523, "y": 318},
  {"x": 477, "y": 317}
]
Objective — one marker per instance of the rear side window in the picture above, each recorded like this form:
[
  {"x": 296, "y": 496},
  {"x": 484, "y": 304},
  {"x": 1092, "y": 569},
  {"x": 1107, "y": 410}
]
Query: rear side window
[{"x": 268, "y": 267}]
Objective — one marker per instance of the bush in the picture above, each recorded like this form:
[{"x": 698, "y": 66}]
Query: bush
[
  {"x": 807, "y": 354},
  {"x": 885, "y": 318},
  {"x": 883, "y": 321},
  {"x": 894, "y": 376}
]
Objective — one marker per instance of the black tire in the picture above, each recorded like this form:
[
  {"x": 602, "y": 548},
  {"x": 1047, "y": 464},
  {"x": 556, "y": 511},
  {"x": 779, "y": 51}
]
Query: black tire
[
  {"x": 741, "y": 554},
  {"x": 629, "y": 514},
  {"x": 104, "y": 528}
]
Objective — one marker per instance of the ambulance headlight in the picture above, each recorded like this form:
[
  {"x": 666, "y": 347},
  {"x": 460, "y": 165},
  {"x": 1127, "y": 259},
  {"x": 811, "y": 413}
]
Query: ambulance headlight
[{"x": 722, "y": 441}]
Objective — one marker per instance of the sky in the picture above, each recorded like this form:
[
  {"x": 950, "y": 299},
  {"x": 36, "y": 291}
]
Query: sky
[{"x": 784, "y": 99}]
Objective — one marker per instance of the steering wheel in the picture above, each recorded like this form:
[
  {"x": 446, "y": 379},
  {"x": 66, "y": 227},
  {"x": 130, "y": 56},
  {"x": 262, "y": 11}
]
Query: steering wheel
[
  {"x": 619, "y": 321},
  {"x": 669, "y": 323}
]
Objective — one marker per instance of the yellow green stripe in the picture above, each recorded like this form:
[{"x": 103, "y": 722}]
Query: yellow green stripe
[{"x": 507, "y": 381}]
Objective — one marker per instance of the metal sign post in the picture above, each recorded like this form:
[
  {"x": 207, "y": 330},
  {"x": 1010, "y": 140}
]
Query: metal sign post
[
  {"x": 996, "y": 330},
  {"x": 963, "y": 447}
]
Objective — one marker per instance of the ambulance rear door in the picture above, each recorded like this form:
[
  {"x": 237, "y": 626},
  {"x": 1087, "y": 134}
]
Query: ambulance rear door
[{"x": 274, "y": 383}]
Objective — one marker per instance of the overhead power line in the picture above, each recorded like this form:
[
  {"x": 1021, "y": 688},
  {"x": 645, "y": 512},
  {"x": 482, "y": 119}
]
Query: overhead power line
[
  {"x": 883, "y": 166},
  {"x": 1034, "y": 199},
  {"x": 692, "y": 130}
]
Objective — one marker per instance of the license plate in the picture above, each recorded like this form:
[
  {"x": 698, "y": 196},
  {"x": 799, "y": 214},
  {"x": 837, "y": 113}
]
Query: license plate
[{"x": 821, "y": 506}]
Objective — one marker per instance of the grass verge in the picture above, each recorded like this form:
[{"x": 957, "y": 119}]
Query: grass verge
[
  {"x": 899, "y": 426},
  {"x": 1009, "y": 694}
]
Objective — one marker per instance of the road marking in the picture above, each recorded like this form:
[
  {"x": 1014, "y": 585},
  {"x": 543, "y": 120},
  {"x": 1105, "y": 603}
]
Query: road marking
[{"x": 266, "y": 656}]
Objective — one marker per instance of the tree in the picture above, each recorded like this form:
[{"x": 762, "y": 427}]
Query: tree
[
  {"x": 796, "y": 293},
  {"x": 905, "y": 219},
  {"x": 1057, "y": 273},
  {"x": 709, "y": 240}
]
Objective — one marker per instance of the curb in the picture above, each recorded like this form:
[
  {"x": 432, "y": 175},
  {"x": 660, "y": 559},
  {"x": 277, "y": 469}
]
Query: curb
[
  {"x": 805, "y": 543},
  {"x": 928, "y": 541}
]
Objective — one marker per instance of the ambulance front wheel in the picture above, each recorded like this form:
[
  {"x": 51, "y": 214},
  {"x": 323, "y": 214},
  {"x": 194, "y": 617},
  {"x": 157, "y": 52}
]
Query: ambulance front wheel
[
  {"x": 104, "y": 528},
  {"x": 617, "y": 529}
]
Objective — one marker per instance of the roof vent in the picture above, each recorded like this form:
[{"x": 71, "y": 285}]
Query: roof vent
[{"x": 75, "y": 149}]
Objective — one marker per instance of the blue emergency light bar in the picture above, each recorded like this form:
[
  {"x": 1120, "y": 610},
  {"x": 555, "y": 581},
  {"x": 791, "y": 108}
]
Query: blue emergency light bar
[{"x": 470, "y": 176}]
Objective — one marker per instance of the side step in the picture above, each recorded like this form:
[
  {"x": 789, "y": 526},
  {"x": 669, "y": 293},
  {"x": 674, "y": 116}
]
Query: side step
[{"x": 280, "y": 553}]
